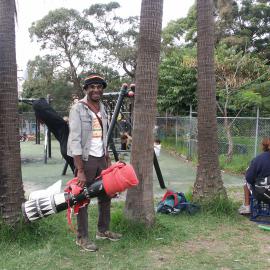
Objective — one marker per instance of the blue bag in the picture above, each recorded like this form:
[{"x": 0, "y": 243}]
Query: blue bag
[{"x": 175, "y": 202}]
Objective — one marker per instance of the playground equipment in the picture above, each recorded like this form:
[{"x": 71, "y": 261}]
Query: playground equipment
[
  {"x": 56, "y": 125},
  {"x": 116, "y": 178},
  {"x": 47, "y": 133},
  {"x": 59, "y": 127}
]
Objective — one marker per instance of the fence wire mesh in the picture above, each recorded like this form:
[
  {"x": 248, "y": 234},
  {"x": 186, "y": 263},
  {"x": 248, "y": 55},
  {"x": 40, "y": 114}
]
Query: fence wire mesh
[
  {"x": 28, "y": 122},
  {"x": 243, "y": 134}
]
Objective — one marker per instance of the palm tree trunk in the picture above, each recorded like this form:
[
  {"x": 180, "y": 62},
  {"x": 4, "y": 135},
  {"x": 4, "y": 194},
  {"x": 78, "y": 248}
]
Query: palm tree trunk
[
  {"x": 11, "y": 191},
  {"x": 208, "y": 180},
  {"x": 139, "y": 201}
]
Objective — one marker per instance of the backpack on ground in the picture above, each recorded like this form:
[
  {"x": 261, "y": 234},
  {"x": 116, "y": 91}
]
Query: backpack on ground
[{"x": 174, "y": 203}]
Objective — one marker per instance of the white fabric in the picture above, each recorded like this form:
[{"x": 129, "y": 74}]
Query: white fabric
[
  {"x": 96, "y": 146},
  {"x": 53, "y": 189},
  {"x": 157, "y": 148}
]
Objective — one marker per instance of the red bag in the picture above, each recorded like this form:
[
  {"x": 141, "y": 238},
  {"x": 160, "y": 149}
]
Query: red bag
[{"x": 118, "y": 177}]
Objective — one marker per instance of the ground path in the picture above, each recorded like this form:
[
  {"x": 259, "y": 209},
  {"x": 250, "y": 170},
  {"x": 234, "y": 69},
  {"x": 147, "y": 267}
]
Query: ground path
[{"x": 178, "y": 174}]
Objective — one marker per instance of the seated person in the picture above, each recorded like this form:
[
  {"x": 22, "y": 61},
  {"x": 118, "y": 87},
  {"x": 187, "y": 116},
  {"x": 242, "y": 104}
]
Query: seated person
[
  {"x": 258, "y": 168},
  {"x": 125, "y": 140},
  {"x": 129, "y": 140}
]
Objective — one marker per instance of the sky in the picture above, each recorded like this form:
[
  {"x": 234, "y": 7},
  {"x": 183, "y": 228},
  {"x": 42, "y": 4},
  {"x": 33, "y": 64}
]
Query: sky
[{"x": 33, "y": 10}]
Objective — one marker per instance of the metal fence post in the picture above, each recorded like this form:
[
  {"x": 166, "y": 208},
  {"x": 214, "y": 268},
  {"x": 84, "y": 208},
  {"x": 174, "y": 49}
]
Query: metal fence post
[
  {"x": 166, "y": 123},
  {"x": 257, "y": 131},
  {"x": 176, "y": 131},
  {"x": 49, "y": 134},
  {"x": 190, "y": 129}
]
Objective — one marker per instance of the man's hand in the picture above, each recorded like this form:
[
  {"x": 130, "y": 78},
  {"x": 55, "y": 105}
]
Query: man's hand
[
  {"x": 81, "y": 178},
  {"x": 80, "y": 173}
]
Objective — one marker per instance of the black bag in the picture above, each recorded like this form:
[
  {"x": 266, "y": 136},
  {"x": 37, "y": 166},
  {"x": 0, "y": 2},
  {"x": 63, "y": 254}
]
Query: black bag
[
  {"x": 56, "y": 124},
  {"x": 261, "y": 189}
]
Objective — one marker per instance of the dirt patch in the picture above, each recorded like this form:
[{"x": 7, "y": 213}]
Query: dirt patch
[
  {"x": 211, "y": 246},
  {"x": 162, "y": 257}
]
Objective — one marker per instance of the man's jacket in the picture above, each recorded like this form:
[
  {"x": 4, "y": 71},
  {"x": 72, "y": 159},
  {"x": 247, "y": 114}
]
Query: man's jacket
[{"x": 80, "y": 129}]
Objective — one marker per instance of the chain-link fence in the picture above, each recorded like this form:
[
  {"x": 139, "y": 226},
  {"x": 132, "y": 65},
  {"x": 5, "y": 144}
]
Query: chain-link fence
[
  {"x": 241, "y": 135},
  {"x": 28, "y": 122}
]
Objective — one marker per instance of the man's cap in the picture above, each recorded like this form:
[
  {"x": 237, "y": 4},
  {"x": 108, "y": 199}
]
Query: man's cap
[{"x": 94, "y": 79}]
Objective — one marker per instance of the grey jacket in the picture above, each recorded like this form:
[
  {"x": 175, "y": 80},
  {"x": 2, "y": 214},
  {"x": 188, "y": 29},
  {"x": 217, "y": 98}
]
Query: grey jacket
[{"x": 80, "y": 129}]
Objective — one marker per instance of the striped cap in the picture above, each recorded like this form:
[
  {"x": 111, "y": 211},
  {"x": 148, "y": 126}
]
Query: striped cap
[{"x": 94, "y": 78}]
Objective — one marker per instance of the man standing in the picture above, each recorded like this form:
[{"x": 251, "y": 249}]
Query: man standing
[{"x": 88, "y": 124}]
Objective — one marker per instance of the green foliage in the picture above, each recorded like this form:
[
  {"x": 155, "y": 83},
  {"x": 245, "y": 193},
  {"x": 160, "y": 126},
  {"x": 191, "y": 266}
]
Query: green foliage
[
  {"x": 22, "y": 107},
  {"x": 111, "y": 76},
  {"x": 116, "y": 36},
  {"x": 243, "y": 23},
  {"x": 62, "y": 30},
  {"x": 181, "y": 29},
  {"x": 43, "y": 78},
  {"x": 78, "y": 47},
  {"x": 67, "y": 35},
  {"x": 242, "y": 53},
  {"x": 238, "y": 164},
  {"x": 177, "y": 82},
  {"x": 219, "y": 206},
  {"x": 235, "y": 72}
]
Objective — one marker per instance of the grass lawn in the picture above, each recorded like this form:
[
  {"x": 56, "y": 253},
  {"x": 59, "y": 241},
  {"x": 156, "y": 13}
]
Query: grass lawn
[
  {"x": 239, "y": 162},
  {"x": 218, "y": 239},
  {"x": 215, "y": 238}
]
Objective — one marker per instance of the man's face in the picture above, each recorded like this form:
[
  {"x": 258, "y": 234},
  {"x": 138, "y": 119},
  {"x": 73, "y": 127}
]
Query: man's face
[{"x": 94, "y": 92}]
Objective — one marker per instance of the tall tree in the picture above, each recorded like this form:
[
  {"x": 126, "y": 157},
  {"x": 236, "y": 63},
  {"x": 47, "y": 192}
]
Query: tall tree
[
  {"x": 177, "y": 81},
  {"x": 116, "y": 36},
  {"x": 208, "y": 180},
  {"x": 11, "y": 191},
  {"x": 139, "y": 201},
  {"x": 242, "y": 23},
  {"x": 44, "y": 77},
  {"x": 235, "y": 72},
  {"x": 67, "y": 34}
]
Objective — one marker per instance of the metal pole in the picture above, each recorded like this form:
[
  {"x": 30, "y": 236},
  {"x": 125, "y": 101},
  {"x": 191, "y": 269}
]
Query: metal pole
[
  {"x": 257, "y": 132},
  {"x": 45, "y": 144},
  {"x": 37, "y": 132},
  {"x": 65, "y": 169},
  {"x": 176, "y": 131},
  {"x": 166, "y": 123},
  {"x": 49, "y": 135},
  {"x": 113, "y": 148},
  {"x": 190, "y": 129},
  {"x": 158, "y": 172},
  {"x": 123, "y": 93}
]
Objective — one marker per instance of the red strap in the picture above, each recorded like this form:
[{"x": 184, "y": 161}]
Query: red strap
[
  {"x": 74, "y": 189},
  {"x": 69, "y": 217},
  {"x": 93, "y": 109},
  {"x": 170, "y": 193}
]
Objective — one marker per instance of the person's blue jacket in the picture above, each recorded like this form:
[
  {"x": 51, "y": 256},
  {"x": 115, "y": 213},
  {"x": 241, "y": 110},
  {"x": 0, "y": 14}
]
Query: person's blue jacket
[{"x": 259, "y": 168}]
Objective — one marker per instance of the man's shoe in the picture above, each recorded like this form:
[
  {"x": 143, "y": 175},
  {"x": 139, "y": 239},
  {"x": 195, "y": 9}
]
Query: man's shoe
[
  {"x": 108, "y": 235},
  {"x": 86, "y": 245},
  {"x": 244, "y": 210}
]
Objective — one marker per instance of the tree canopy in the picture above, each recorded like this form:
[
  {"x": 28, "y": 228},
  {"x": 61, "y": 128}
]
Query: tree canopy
[{"x": 99, "y": 40}]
